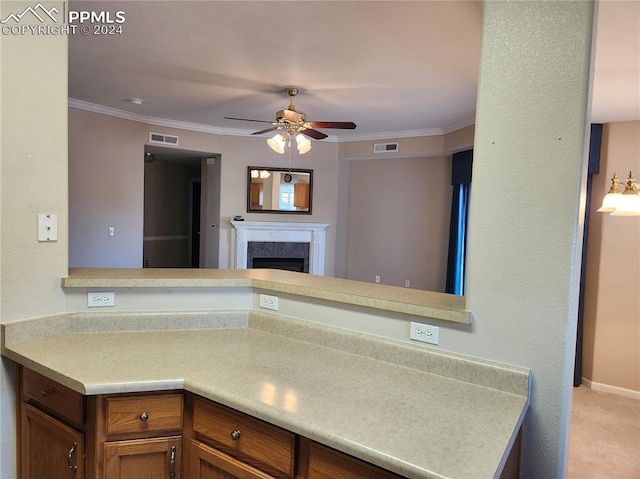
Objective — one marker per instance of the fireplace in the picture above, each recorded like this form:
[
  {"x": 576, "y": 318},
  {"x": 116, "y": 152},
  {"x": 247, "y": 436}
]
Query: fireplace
[
  {"x": 289, "y": 264},
  {"x": 286, "y": 241},
  {"x": 278, "y": 255}
]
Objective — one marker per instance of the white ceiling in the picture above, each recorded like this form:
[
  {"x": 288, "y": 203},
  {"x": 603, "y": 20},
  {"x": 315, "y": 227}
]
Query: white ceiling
[{"x": 407, "y": 67}]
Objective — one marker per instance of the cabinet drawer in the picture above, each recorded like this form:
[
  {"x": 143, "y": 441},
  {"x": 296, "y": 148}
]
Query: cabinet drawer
[
  {"x": 327, "y": 463},
  {"x": 143, "y": 414},
  {"x": 254, "y": 441},
  {"x": 62, "y": 402}
]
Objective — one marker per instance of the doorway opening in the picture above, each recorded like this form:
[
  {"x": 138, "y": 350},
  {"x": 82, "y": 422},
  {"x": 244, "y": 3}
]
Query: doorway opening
[{"x": 176, "y": 205}]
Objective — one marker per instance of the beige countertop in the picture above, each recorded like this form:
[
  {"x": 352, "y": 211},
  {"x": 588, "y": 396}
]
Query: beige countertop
[
  {"x": 415, "y": 411},
  {"x": 431, "y": 304}
]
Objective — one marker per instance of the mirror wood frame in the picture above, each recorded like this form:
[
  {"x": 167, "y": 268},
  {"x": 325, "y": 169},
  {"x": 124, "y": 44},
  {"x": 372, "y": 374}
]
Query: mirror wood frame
[{"x": 304, "y": 197}]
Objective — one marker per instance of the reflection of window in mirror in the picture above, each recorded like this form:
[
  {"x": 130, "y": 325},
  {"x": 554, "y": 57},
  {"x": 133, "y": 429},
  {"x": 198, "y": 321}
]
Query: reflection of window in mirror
[{"x": 286, "y": 197}]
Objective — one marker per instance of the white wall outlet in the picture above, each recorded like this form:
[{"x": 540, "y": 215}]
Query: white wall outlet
[
  {"x": 269, "y": 302},
  {"x": 407, "y": 283},
  {"x": 47, "y": 227},
  {"x": 425, "y": 333},
  {"x": 111, "y": 231},
  {"x": 377, "y": 279},
  {"x": 101, "y": 300}
]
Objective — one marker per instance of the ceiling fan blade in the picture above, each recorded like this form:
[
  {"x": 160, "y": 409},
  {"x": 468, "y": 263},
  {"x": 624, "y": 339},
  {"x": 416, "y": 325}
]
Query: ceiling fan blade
[
  {"x": 264, "y": 131},
  {"x": 318, "y": 135},
  {"x": 345, "y": 125},
  {"x": 246, "y": 119}
]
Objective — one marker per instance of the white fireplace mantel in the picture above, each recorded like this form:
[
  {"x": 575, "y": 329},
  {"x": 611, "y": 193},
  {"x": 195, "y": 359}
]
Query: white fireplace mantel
[{"x": 312, "y": 233}]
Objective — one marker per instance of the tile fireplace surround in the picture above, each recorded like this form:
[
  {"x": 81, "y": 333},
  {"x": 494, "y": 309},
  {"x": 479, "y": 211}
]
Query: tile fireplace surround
[{"x": 272, "y": 231}]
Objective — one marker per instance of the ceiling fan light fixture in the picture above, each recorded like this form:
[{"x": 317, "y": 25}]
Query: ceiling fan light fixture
[
  {"x": 277, "y": 143},
  {"x": 303, "y": 143}
]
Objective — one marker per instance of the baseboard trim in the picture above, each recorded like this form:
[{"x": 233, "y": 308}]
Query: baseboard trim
[{"x": 605, "y": 388}]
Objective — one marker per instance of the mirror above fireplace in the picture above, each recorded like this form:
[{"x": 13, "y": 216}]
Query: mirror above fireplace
[{"x": 279, "y": 190}]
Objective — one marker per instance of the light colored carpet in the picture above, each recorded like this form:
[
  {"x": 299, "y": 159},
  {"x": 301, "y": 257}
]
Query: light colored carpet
[{"x": 604, "y": 436}]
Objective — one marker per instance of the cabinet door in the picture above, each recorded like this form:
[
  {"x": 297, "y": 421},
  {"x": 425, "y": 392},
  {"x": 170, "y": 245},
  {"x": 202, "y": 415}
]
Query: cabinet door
[
  {"x": 209, "y": 463},
  {"x": 326, "y": 463},
  {"x": 157, "y": 458},
  {"x": 50, "y": 449}
]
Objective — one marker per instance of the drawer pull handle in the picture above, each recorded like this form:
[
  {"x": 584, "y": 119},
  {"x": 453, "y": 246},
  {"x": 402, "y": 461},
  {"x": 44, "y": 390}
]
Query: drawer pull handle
[
  {"x": 172, "y": 463},
  {"x": 46, "y": 392},
  {"x": 144, "y": 416},
  {"x": 235, "y": 435},
  {"x": 71, "y": 455}
]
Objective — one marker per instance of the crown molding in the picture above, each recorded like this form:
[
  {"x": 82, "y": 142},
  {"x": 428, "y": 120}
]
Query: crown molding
[
  {"x": 183, "y": 125},
  {"x": 459, "y": 125}
]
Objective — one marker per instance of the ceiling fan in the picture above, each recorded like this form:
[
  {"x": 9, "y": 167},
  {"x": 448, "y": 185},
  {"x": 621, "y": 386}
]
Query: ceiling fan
[{"x": 294, "y": 122}]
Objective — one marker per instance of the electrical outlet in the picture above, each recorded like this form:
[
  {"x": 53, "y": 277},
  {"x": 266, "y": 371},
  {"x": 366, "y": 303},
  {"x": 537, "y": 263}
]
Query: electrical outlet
[
  {"x": 407, "y": 283},
  {"x": 101, "y": 300},
  {"x": 269, "y": 302},
  {"x": 377, "y": 279},
  {"x": 425, "y": 333}
]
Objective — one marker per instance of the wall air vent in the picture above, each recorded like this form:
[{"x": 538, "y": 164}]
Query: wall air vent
[
  {"x": 386, "y": 147},
  {"x": 164, "y": 139}
]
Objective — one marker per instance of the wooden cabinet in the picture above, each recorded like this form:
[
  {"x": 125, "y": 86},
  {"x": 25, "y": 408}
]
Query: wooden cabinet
[
  {"x": 144, "y": 415},
  {"x": 51, "y": 435},
  {"x": 227, "y": 444},
  {"x": 65, "y": 435},
  {"x": 139, "y": 436},
  {"x": 143, "y": 458},
  {"x": 58, "y": 400},
  {"x": 209, "y": 463},
  {"x": 50, "y": 448},
  {"x": 327, "y": 463},
  {"x": 258, "y": 445}
]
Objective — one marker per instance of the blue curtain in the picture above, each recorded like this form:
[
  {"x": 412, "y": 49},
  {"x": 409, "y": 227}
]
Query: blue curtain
[
  {"x": 461, "y": 182},
  {"x": 595, "y": 143}
]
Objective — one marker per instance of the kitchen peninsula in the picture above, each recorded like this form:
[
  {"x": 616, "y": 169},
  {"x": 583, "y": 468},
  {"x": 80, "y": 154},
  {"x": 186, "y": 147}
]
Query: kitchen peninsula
[{"x": 413, "y": 411}]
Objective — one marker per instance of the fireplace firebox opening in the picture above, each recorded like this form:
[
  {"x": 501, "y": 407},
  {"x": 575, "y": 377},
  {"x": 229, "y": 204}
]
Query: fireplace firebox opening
[{"x": 285, "y": 255}]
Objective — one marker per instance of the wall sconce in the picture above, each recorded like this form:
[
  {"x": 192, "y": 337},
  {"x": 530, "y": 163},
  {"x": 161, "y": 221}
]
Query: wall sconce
[{"x": 622, "y": 203}]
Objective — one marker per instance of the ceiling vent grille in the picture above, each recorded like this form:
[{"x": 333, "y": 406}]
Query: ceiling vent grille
[
  {"x": 164, "y": 139},
  {"x": 386, "y": 147}
]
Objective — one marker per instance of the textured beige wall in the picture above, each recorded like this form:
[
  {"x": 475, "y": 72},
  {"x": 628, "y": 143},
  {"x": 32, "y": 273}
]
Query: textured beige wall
[
  {"x": 238, "y": 153},
  {"x": 527, "y": 200},
  {"x": 398, "y": 225},
  {"x": 106, "y": 183},
  {"x": 407, "y": 147},
  {"x": 509, "y": 324},
  {"x": 106, "y": 178},
  {"x": 611, "y": 349},
  {"x": 33, "y": 179}
]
